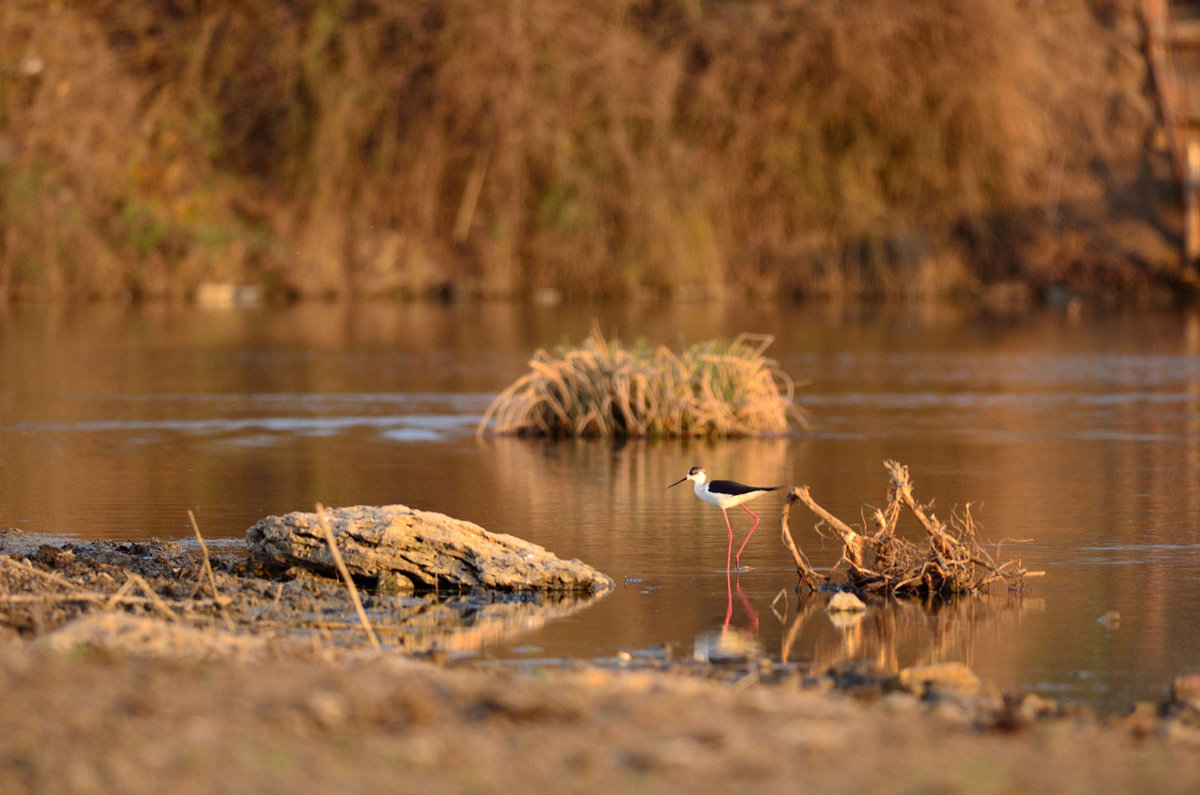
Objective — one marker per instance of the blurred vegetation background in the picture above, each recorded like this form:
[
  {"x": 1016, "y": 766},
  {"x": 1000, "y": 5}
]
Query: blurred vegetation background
[{"x": 598, "y": 148}]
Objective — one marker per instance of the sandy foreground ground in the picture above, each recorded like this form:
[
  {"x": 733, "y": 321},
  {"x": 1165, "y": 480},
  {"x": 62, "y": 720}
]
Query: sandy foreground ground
[{"x": 111, "y": 687}]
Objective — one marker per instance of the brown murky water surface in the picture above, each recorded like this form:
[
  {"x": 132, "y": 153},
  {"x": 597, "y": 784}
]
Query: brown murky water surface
[{"x": 1076, "y": 439}]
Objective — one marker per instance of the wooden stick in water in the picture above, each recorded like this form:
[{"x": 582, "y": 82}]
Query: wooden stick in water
[{"x": 803, "y": 567}]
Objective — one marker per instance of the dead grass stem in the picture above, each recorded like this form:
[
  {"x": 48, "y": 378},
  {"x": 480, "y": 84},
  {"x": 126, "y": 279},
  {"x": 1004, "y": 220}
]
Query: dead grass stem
[
  {"x": 155, "y": 600},
  {"x": 348, "y": 579},
  {"x": 107, "y": 601},
  {"x": 54, "y": 578},
  {"x": 208, "y": 570}
]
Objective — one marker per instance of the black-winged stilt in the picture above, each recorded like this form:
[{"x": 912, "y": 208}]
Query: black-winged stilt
[{"x": 725, "y": 494}]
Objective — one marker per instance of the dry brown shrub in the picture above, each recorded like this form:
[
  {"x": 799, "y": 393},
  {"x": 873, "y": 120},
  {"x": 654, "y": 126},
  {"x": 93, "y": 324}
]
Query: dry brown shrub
[
  {"x": 713, "y": 389},
  {"x": 603, "y": 147},
  {"x": 949, "y": 560}
]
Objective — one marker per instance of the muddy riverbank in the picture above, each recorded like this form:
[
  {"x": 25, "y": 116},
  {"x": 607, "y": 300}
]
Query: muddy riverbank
[{"x": 122, "y": 670}]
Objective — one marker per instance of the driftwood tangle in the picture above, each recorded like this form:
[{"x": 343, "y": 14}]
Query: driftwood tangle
[
  {"x": 401, "y": 548},
  {"x": 949, "y": 561}
]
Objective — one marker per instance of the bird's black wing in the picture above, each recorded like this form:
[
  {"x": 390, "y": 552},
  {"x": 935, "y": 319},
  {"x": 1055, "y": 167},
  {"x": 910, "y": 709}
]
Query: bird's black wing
[{"x": 735, "y": 488}]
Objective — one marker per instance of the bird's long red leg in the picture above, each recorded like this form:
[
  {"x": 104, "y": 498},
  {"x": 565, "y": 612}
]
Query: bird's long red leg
[
  {"x": 729, "y": 552},
  {"x": 743, "y": 546}
]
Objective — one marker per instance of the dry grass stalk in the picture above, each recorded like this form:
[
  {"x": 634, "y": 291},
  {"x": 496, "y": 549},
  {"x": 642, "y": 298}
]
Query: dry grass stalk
[
  {"x": 54, "y": 578},
  {"x": 120, "y": 597},
  {"x": 349, "y": 580},
  {"x": 951, "y": 561},
  {"x": 156, "y": 601},
  {"x": 322, "y": 627},
  {"x": 208, "y": 570},
  {"x": 77, "y": 593},
  {"x": 713, "y": 389}
]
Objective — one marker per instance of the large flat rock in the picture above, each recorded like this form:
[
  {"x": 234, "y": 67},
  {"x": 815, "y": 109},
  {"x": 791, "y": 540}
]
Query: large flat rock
[{"x": 404, "y": 548}]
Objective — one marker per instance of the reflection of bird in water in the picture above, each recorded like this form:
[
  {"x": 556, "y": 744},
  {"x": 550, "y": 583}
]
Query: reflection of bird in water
[
  {"x": 725, "y": 494},
  {"x": 751, "y": 613},
  {"x": 729, "y": 644}
]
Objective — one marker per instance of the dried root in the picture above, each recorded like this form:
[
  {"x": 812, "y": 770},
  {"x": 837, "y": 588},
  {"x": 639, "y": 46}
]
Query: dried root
[{"x": 951, "y": 561}]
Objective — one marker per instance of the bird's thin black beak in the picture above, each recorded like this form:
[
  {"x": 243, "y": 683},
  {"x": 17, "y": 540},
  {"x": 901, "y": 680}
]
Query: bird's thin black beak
[{"x": 676, "y": 483}]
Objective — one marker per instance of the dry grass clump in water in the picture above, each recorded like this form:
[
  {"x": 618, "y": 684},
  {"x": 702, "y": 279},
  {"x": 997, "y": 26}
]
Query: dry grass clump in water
[
  {"x": 951, "y": 560},
  {"x": 713, "y": 389}
]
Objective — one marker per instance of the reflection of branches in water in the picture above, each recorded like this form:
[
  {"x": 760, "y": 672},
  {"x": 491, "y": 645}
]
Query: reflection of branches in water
[
  {"x": 949, "y": 564},
  {"x": 898, "y": 633},
  {"x": 805, "y": 610}
]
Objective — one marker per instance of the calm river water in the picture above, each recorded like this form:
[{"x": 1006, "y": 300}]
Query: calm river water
[{"x": 1076, "y": 440}]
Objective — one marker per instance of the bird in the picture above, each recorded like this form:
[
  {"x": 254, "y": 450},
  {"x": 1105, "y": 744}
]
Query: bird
[{"x": 725, "y": 494}]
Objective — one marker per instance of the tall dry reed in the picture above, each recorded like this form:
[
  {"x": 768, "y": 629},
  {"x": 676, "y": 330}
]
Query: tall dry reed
[{"x": 712, "y": 389}]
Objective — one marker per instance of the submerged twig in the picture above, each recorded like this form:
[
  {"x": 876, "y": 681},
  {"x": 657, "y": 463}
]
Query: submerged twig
[{"x": 786, "y": 604}]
